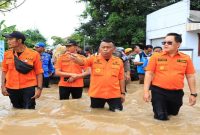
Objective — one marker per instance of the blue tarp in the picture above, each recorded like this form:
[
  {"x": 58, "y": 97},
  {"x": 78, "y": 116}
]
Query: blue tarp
[{"x": 2, "y": 49}]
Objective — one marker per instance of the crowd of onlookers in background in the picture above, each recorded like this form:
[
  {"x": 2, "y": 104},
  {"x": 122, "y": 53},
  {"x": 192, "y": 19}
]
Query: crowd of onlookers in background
[{"x": 135, "y": 59}]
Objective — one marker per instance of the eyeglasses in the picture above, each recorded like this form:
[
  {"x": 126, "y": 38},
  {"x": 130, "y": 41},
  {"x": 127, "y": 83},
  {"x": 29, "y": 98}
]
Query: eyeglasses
[{"x": 168, "y": 43}]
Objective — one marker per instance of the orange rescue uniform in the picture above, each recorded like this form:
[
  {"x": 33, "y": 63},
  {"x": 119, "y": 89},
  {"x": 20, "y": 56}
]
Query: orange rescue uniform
[
  {"x": 65, "y": 64},
  {"x": 170, "y": 71},
  {"x": 16, "y": 80},
  {"x": 105, "y": 76}
]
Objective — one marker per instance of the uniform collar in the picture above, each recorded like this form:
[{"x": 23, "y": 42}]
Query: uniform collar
[
  {"x": 104, "y": 58},
  {"x": 25, "y": 50},
  {"x": 165, "y": 53}
]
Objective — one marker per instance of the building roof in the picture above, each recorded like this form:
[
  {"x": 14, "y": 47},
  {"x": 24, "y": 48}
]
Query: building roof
[{"x": 194, "y": 16}]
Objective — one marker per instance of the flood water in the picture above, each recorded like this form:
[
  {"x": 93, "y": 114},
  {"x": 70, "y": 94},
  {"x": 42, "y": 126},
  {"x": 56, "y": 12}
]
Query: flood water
[{"x": 75, "y": 117}]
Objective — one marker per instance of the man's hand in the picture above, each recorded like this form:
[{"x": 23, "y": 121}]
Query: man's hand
[
  {"x": 123, "y": 98},
  {"x": 4, "y": 91},
  {"x": 73, "y": 57},
  {"x": 147, "y": 96},
  {"x": 37, "y": 93},
  {"x": 50, "y": 74},
  {"x": 127, "y": 77},
  {"x": 192, "y": 100},
  {"x": 71, "y": 79}
]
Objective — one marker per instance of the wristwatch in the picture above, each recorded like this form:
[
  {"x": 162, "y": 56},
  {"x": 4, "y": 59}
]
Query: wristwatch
[
  {"x": 123, "y": 93},
  {"x": 40, "y": 88},
  {"x": 194, "y": 94}
]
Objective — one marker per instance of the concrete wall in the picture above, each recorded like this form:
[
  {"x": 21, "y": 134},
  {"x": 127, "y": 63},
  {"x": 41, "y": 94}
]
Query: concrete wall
[{"x": 169, "y": 19}]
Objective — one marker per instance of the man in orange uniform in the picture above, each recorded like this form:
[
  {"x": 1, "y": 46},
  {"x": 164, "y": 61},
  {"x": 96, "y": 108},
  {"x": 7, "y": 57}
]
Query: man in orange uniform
[
  {"x": 107, "y": 78},
  {"x": 70, "y": 72},
  {"x": 165, "y": 73},
  {"x": 18, "y": 86}
]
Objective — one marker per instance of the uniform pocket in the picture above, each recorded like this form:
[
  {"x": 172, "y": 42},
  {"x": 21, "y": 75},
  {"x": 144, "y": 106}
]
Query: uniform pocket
[
  {"x": 10, "y": 64},
  {"x": 162, "y": 67},
  {"x": 115, "y": 71},
  {"x": 181, "y": 67}
]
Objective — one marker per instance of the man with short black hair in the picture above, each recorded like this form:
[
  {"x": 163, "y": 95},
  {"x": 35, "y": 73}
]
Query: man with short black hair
[
  {"x": 70, "y": 72},
  {"x": 165, "y": 78},
  {"x": 157, "y": 49},
  {"x": 20, "y": 86},
  {"x": 141, "y": 61},
  {"x": 107, "y": 83}
]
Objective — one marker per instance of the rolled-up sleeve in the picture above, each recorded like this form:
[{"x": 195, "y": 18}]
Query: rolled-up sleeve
[{"x": 151, "y": 66}]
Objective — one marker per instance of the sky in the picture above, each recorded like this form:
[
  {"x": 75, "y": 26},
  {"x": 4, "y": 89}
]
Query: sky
[{"x": 51, "y": 17}]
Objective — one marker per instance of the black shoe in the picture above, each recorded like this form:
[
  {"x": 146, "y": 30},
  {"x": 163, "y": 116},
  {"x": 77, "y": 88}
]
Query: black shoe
[
  {"x": 161, "y": 117},
  {"x": 46, "y": 87}
]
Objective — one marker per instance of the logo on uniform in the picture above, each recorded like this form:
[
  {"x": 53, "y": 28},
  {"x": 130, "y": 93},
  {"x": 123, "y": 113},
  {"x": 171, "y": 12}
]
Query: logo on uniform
[
  {"x": 115, "y": 63},
  {"x": 97, "y": 70},
  {"x": 162, "y": 67}
]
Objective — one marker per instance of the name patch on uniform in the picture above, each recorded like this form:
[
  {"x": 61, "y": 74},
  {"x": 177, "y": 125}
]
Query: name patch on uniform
[
  {"x": 162, "y": 59},
  {"x": 29, "y": 59},
  {"x": 182, "y": 61},
  {"x": 9, "y": 58},
  {"x": 97, "y": 62},
  {"x": 115, "y": 63}
]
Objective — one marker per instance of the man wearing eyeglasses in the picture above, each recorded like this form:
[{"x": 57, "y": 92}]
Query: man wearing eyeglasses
[{"x": 165, "y": 78}]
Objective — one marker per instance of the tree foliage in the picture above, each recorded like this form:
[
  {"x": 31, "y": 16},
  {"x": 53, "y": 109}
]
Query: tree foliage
[
  {"x": 32, "y": 37},
  {"x": 57, "y": 40},
  {"x": 79, "y": 38},
  {"x": 122, "y": 20},
  {"x": 5, "y": 30},
  {"x": 195, "y": 5},
  {"x": 8, "y": 5}
]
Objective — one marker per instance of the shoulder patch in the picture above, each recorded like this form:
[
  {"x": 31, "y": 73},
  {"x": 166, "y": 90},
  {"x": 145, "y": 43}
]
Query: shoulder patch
[
  {"x": 32, "y": 50},
  {"x": 181, "y": 61},
  {"x": 9, "y": 50},
  {"x": 115, "y": 57},
  {"x": 162, "y": 59}
]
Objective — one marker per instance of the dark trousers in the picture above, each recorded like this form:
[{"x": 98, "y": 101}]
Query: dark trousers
[
  {"x": 141, "y": 78},
  {"x": 21, "y": 98},
  {"x": 166, "y": 102},
  {"x": 65, "y": 92},
  {"x": 113, "y": 103},
  {"x": 46, "y": 82}
]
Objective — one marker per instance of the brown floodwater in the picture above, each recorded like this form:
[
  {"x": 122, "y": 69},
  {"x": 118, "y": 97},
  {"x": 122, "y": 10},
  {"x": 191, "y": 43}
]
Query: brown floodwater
[{"x": 75, "y": 117}]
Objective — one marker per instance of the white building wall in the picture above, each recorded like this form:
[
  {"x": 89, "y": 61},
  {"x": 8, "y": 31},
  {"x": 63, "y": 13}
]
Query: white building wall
[
  {"x": 173, "y": 18},
  {"x": 192, "y": 42},
  {"x": 169, "y": 19}
]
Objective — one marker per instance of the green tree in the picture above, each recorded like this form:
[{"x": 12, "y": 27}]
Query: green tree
[
  {"x": 32, "y": 37},
  {"x": 5, "y": 30},
  {"x": 78, "y": 37},
  {"x": 122, "y": 20},
  {"x": 195, "y": 5},
  {"x": 8, "y": 5},
  {"x": 57, "y": 40}
]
